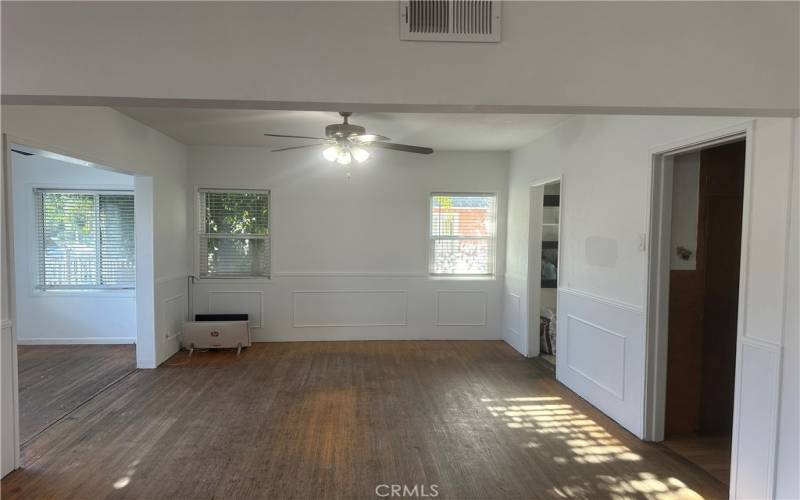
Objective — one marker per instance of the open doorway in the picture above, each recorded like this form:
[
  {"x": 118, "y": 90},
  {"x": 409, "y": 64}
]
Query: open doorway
[
  {"x": 74, "y": 297},
  {"x": 545, "y": 224},
  {"x": 704, "y": 187}
]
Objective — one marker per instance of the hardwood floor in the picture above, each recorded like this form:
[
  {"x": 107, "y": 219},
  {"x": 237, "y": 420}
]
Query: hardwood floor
[
  {"x": 338, "y": 419},
  {"x": 56, "y": 379},
  {"x": 710, "y": 453}
]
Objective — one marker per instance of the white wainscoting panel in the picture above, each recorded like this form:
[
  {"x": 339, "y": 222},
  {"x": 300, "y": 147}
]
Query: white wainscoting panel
[
  {"x": 513, "y": 314},
  {"x": 237, "y": 302},
  {"x": 461, "y": 307},
  {"x": 601, "y": 354},
  {"x": 356, "y": 306},
  {"x": 343, "y": 308},
  {"x": 175, "y": 313},
  {"x": 755, "y": 422},
  {"x": 588, "y": 343}
]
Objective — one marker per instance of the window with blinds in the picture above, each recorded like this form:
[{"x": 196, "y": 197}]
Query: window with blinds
[
  {"x": 85, "y": 239},
  {"x": 462, "y": 233},
  {"x": 233, "y": 233}
]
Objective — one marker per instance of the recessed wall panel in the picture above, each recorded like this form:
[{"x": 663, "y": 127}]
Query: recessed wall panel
[
  {"x": 596, "y": 353},
  {"x": 330, "y": 308},
  {"x": 461, "y": 307},
  {"x": 174, "y": 315}
]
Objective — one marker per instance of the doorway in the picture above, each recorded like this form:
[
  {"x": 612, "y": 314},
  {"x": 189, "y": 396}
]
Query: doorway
[
  {"x": 75, "y": 288},
  {"x": 701, "y": 240},
  {"x": 543, "y": 258}
]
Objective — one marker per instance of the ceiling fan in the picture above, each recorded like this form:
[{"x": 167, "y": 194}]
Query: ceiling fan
[{"x": 347, "y": 142}]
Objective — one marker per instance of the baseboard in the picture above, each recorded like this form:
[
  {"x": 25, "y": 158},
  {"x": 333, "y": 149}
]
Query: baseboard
[
  {"x": 370, "y": 338},
  {"x": 76, "y": 340}
]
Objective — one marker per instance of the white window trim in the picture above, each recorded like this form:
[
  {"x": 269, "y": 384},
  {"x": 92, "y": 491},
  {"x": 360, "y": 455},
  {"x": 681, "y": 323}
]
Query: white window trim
[
  {"x": 492, "y": 274},
  {"x": 35, "y": 266},
  {"x": 200, "y": 220}
]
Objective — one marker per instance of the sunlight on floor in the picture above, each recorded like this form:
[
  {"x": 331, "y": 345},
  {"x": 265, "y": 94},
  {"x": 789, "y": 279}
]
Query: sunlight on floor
[
  {"x": 546, "y": 419},
  {"x": 126, "y": 479}
]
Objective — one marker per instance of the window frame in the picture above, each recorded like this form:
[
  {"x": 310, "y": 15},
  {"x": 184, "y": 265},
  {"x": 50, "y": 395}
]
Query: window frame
[
  {"x": 37, "y": 229},
  {"x": 492, "y": 273},
  {"x": 200, "y": 222}
]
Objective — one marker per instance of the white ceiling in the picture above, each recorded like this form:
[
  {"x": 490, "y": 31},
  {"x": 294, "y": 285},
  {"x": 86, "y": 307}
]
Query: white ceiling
[{"x": 453, "y": 131}]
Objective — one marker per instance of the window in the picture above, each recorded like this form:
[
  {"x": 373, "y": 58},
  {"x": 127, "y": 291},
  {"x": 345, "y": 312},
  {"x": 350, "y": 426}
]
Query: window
[
  {"x": 462, "y": 234},
  {"x": 233, "y": 232},
  {"x": 85, "y": 239}
]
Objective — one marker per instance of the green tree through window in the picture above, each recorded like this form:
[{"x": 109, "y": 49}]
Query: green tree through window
[{"x": 234, "y": 233}]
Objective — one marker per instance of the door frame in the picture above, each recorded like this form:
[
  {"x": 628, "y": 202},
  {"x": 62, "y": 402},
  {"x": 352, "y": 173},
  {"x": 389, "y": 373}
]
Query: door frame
[
  {"x": 658, "y": 273},
  {"x": 145, "y": 260},
  {"x": 534, "y": 278}
]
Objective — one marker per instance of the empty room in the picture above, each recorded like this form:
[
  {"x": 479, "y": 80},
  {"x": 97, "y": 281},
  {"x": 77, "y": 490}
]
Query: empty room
[
  {"x": 76, "y": 319},
  {"x": 400, "y": 249}
]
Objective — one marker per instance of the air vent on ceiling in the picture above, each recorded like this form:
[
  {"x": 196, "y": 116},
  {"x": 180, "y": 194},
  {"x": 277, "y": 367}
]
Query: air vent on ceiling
[{"x": 450, "y": 20}]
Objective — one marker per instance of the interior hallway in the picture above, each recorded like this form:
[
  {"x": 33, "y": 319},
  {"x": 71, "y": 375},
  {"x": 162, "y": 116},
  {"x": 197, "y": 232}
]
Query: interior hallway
[
  {"x": 56, "y": 379},
  {"x": 337, "y": 419},
  {"x": 711, "y": 453}
]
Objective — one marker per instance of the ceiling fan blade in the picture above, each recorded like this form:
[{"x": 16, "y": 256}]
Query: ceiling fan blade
[
  {"x": 401, "y": 147},
  {"x": 369, "y": 138},
  {"x": 297, "y": 147},
  {"x": 297, "y": 137}
]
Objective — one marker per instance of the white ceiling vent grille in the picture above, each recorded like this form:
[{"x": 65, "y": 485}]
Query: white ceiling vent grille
[{"x": 450, "y": 20}]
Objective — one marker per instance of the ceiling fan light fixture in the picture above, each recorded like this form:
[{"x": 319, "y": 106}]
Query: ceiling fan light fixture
[
  {"x": 344, "y": 157},
  {"x": 360, "y": 154},
  {"x": 345, "y": 142},
  {"x": 331, "y": 153}
]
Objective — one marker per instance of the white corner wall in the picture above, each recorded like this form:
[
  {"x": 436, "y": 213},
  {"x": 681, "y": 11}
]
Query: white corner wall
[
  {"x": 62, "y": 317},
  {"x": 350, "y": 257},
  {"x": 106, "y": 137},
  {"x": 605, "y": 203}
]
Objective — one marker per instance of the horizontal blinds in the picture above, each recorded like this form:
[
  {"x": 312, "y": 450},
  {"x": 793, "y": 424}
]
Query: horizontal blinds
[
  {"x": 117, "y": 243},
  {"x": 463, "y": 230},
  {"x": 234, "y": 235},
  {"x": 86, "y": 239}
]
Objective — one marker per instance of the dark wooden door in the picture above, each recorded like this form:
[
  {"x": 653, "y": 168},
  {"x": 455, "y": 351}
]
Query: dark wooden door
[
  {"x": 703, "y": 304},
  {"x": 721, "y": 199}
]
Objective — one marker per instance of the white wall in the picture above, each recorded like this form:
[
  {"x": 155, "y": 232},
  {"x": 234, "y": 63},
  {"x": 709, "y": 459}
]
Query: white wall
[
  {"x": 354, "y": 252},
  {"x": 787, "y": 480},
  {"x": 106, "y": 137},
  {"x": 671, "y": 56},
  {"x": 8, "y": 353},
  {"x": 61, "y": 317},
  {"x": 685, "y": 206},
  {"x": 606, "y": 166}
]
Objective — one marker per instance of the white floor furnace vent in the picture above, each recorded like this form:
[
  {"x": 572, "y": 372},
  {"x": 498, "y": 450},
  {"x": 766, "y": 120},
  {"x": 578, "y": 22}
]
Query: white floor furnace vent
[{"x": 216, "y": 331}]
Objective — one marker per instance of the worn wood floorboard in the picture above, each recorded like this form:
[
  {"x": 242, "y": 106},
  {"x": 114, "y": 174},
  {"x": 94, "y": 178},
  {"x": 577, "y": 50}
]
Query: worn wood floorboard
[
  {"x": 710, "y": 453},
  {"x": 325, "y": 420},
  {"x": 56, "y": 379}
]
